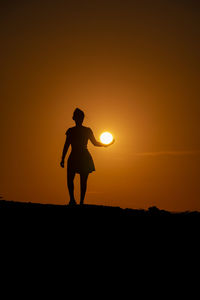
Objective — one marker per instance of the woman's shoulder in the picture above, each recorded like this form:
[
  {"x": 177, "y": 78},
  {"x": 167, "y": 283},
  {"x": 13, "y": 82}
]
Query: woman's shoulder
[
  {"x": 69, "y": 130},
  {"x": 84, "y": 128},
  {"x": 88, "y": 130}
]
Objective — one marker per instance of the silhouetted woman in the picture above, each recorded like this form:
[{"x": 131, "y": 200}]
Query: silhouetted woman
[{"x": 80, "y": 160}]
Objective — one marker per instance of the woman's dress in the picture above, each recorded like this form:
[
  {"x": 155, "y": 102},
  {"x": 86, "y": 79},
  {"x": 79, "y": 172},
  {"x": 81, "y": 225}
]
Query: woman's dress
[{"x": 80, "y": 159}]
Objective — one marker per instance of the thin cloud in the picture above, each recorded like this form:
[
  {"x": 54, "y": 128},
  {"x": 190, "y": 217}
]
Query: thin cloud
[
  {"x": 170, "y": 153},
  {"x": 94, "y": 192}
]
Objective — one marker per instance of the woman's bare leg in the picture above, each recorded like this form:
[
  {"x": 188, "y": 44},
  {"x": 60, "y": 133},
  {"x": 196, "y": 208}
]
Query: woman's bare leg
[
  {"x": 83, "y": 179},
  {"x": 70, "y": 184}
]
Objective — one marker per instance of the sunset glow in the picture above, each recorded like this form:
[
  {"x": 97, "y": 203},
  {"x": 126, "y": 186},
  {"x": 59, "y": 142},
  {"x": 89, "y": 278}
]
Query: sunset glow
[{"x": 132, "y": 67}]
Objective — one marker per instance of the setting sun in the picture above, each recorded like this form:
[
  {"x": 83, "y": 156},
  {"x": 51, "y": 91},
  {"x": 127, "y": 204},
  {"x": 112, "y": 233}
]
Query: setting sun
[{"x": 106, "y": 137}]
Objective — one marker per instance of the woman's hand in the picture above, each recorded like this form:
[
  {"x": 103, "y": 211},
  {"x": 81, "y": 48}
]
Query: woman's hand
[
  {"x": 106, "y": 145},
  {"x": 62, "y": 163}
]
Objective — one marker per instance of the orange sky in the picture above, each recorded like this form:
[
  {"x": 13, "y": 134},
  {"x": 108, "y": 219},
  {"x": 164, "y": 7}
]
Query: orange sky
[{"x": 133, "y": 67}]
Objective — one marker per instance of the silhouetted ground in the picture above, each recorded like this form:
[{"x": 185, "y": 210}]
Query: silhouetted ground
[
  {"x": 94, "y": 226},
  {"x": 96, "y": 210}
]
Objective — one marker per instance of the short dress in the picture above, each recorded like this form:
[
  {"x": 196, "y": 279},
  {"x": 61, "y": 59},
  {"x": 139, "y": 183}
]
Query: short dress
[{"x": 80, "y": 159}]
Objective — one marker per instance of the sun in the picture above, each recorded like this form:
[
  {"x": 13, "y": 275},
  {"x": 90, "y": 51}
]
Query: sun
[{"x": 106, "y": 138}]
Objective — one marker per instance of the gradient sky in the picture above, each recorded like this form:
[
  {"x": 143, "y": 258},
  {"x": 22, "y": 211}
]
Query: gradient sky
[{"x": 133, "y": 67}]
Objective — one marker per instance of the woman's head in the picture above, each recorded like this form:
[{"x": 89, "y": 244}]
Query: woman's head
[{"x": 78, "y": 116}]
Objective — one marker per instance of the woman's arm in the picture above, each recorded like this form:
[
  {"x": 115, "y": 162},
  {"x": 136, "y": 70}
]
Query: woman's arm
[
  {"x": 94, "y": 141},
  {"x": 65, "y": 149}
]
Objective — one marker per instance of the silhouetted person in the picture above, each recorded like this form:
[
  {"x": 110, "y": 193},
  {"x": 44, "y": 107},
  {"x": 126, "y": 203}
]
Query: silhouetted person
[{"x": 80, "y": 160}]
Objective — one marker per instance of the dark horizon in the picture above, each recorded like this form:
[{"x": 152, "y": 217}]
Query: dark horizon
[{"x": 99, "y": 210}]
